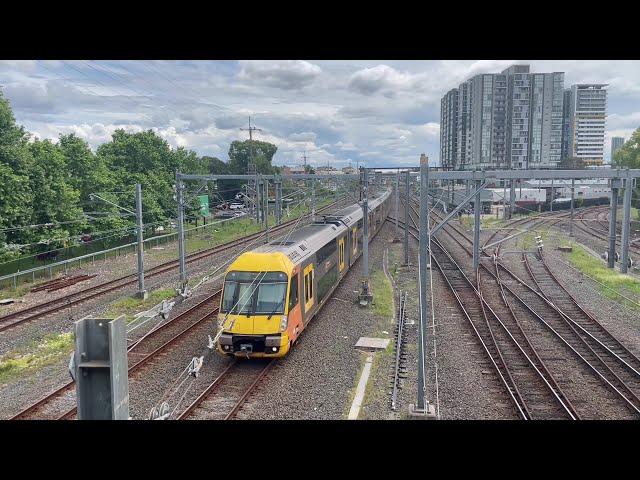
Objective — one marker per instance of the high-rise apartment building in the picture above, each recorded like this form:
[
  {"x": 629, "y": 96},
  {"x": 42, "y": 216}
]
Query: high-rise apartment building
[
  {"x": 511, "y": 119},
  {"x": 449, "y": 129},
  {"x": 585, "y": 117},
  {"x": 616, "y": 144}
]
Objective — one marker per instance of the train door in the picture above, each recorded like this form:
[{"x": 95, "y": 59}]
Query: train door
[
  {"x": 308, "y": 289},
  {"x": 354, "y": 242},
  {"x": 341, "y": 254}
]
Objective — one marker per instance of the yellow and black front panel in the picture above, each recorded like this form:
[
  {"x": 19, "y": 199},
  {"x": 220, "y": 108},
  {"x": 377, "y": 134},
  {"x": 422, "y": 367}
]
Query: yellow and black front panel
[{"x": 253, "y": 306}]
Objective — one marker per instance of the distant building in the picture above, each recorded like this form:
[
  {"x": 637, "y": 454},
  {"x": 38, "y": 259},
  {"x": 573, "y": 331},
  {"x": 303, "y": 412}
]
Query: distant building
[
  {"x": 511, "y": 119},
  {"x": 349, "y": 170},
  {"x": 449, "y": 129},
  {"x": 616, "y": 143},
  {"x": 584, "y": 121}
]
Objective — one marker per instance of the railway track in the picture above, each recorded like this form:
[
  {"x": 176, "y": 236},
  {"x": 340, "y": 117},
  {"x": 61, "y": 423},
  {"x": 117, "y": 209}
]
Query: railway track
[
  {"x": 607, "y": 359},
  {"x": 60, "y": 404},
  {"x": 399, "y": 368},
  {"x": 531, "y": 388},
  {"x": 55, "y": 305},
  {"x": 226, "y": 395}
]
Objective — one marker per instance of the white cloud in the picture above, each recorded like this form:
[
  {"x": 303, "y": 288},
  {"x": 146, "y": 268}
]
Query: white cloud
[{"x": 284, "y": 74}]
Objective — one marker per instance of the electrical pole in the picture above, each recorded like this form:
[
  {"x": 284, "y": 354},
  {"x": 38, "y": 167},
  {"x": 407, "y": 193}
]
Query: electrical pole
[
  {"x": 424, "y": 258},
  {"x": 278, "y": 184},
  {"x": 477, "y": 206},
  {"x": 397, "y": 237},
  {"x": 626, "y": 224},
  {"x": 365, "y": 295},
  {"x": 406, "y": 218},
  {"x": 573, "y": 185},
  {"x": 251, "y": 167},
  {"x": 181, "y": 252},
  {"x": 142, "y": 293},
  {"x": 615, "y": 187}
]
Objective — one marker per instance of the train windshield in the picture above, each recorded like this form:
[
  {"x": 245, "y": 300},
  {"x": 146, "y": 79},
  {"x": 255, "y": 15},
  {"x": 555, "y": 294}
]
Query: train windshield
[{"x": 254, "y": 293}]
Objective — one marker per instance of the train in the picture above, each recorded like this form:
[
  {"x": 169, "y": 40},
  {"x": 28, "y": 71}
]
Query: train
[{"x": 271, "y": 293}]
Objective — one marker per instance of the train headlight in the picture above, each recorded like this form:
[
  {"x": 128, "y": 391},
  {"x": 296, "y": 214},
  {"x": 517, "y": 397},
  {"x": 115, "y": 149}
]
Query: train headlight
[{"x": 283, "y": 323}]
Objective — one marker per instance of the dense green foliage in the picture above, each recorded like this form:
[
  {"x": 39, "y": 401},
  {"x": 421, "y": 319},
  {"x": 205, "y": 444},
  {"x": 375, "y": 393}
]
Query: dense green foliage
[{"x": 42, "y": 182}]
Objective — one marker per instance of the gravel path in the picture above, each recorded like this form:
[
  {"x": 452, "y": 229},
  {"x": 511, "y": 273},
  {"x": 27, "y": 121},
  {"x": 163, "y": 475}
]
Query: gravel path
[{"x": 318, "y": 378}]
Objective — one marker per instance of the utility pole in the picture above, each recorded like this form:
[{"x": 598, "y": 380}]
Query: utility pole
[
  {"x": 278, "y": 185},
  {"x": 551, "y": 203},
  {"x": 406, "y": 218},
  {"x": 573, "y": 185},
  {"x": 365, "y": 294},
  {"x": 424, "y": 258},
  {"x": 477, "y": 207},
  {"x": 512, "y": 198},
  {"x": 504, "y": 199},
  {"x": 616, "y": 183},
  {"x": 142, "y": 293},
  {"x": 181, "y": 250},
  {"x": 626, "y": 224},
  {"x": 397, "y": 237},
  {"x": 251, "y": 167}
]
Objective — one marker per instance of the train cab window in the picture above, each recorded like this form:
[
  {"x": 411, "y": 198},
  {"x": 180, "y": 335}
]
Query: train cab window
[{"x": 293, "y": 292}]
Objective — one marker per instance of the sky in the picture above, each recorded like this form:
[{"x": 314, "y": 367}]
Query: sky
[{"x": 341, "y": 112}]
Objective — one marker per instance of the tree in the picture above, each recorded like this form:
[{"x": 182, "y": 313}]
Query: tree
[
  {"x": 15, "y": 193},
  {"x": 240, "y": 153},
  {"x": 629, "y": 154}
]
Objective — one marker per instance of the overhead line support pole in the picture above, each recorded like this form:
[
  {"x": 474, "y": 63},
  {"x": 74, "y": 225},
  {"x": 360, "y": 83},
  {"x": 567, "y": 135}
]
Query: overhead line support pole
[
  {"x": 626, "y": 225},
  {"x": 573, "y": 191},
  {"x": 142, "y": 293},
  {"x": 181, "y": 246},
  {"x": 477, "y": 207},
  {"x": 406, "y": 218},
  {"x": 365, "y": 294},
  {"x": 615, "y": 186},
  {"x": 424, "y": 259}
]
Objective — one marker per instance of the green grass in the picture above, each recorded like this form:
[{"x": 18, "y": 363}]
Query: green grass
[
  {"x": 32, "y": 357},
  {"x": 486, "y": 221},
  {"x": 593, "y": 267},
  {"x": 10, "y": 292},
  {"x": 130, "y": 305},
  {"x": 382, "y": 294}
]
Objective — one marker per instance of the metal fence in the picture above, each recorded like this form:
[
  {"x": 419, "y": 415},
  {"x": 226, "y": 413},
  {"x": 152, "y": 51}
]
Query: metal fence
[{"x": 44, "y": 272}]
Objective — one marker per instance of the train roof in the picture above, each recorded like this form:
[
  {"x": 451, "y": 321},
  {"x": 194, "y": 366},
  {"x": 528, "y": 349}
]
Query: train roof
[{"x": 314, "y": 236}]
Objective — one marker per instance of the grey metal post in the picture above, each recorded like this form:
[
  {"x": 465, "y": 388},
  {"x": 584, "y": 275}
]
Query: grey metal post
[
  {"x": 397, "y": 201},
  {"x": 257, "y": 198},
  {"x": 512, "y": 199},
  {"x": 142, "y": 293},
  {"x": 611, "y": 262},
  {"x": 626, "y": 224},
  {"x": 504, "y": 200},
  {"x": 278, "y": 185},
  {"x": 181, "y": 249},
  {"x": 573, "y": 191},
  {"x": 313, "y": 199},
  {"x": 406, "y": 218},
  {"x": 551, "y": 203},
  {"x": 99, "y": 366},
  {"x": 476, "y": 225},
  {"x": 265, "y": 214},
  {"x": 424, "y": 258},
  {"x": 365, "y": 294}
]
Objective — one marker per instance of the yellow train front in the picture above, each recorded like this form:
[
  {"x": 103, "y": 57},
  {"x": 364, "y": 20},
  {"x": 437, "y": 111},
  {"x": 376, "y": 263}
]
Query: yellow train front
[{"x": 271, "y": 294}]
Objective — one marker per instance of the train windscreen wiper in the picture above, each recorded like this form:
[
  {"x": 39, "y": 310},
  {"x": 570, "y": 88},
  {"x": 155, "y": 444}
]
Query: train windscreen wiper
[{"x": 276, "y": 308}]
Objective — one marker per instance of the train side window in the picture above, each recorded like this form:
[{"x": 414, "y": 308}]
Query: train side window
[
  {"x": 308, "y": 287},
  {"x": 293, "y": 292}
]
